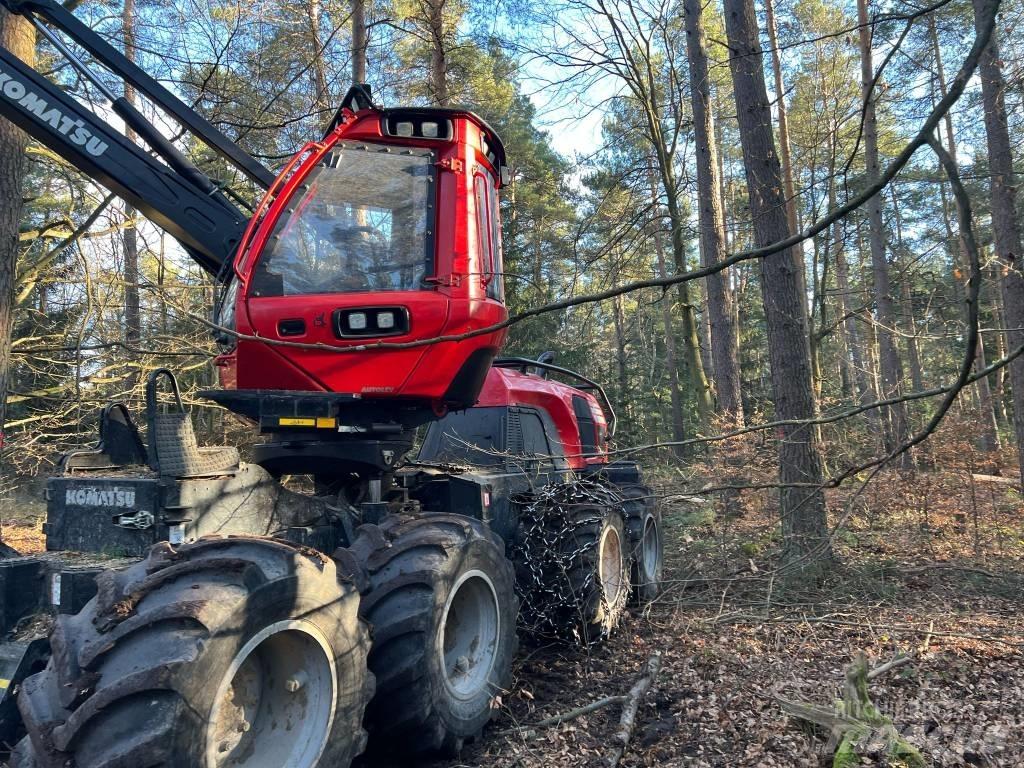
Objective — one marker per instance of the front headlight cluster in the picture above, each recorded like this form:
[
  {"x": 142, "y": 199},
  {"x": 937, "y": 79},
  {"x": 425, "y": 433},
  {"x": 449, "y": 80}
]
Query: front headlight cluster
[{"x": 372, "y": 322}]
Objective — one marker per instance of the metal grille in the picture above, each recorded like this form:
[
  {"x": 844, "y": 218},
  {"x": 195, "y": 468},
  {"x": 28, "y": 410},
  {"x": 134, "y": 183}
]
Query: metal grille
[{"x": 514, "y": 444}]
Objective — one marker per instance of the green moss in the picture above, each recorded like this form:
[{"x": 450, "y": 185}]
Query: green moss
[{"x": 701, "y": 517}]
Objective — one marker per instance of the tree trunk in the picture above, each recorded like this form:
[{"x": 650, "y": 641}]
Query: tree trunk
[
  {"x": 671, "y": 355},
  {"x": 132, "y": 318},
  {"x": 851, "y": 333},
  {"x": 18, "y": 37},
  {"x": 724, "y": 346},
  {"x": 897, "y": 429},
  {"x": 438, "y": 55},
  {"x": 698, "y": 381},
  {"x": 130, "y": 235},
  {"x": 724, "y": 195},
  {"x": 907, "y": 310},
  {"x": 807, "y": 550},
  {"x": 704, "y": 332},
  {"x": 780, "y": 94},
  {"x": 321, "y": 94},
  {"x": 786, "y": 154},
  {"x": 161, "y": 279},
  {"x": 870, "y": 331},
  {"x": 910, "y": 329},
  {"x": 622, "y": 370},
  {"x": 988, "y": 440},
  {"x": 641, "y": 74},
  {"x": 360, "y": 41},
  {"x": 847, "y": 373},
  {"x": 999, "y": 395},
  {"x": 817, "y": 315},
  {"x": 697, "y": 377},
  {"x": 1005, "y": 224},
  {"x": 957, "y": 260}
]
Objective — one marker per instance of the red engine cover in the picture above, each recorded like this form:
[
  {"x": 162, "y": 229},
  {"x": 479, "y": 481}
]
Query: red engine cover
[{"x": 506, "y": 386}]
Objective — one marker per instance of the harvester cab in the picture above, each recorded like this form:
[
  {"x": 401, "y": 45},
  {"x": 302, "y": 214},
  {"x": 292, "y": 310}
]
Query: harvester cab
[
  {"x": 385, "y": 231},
  {"x": 361, "y": 300}
]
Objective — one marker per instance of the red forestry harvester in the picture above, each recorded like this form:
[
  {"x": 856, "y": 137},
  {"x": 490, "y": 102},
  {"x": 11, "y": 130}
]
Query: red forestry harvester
[{"x": 252, "y": 625}]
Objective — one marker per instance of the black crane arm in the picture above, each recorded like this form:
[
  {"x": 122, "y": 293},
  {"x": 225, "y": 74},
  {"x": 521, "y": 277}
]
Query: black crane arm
[
  {"x": 177, "y": 196},
  {"x": 117, "y": 62}
]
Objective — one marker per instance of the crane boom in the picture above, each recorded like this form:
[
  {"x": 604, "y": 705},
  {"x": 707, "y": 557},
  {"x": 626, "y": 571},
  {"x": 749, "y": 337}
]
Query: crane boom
[
  {"x": 174, "y": 194},
  {"x": 208, "y": 229},
  {"x": 117, "y": 62}
]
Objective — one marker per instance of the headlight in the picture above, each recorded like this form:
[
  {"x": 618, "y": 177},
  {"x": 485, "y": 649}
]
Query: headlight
[{"x": 370, "y": 321}]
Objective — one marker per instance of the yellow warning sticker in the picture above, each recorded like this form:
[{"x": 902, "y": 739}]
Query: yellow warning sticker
[
  {"x": 4, "y": 682},
  {"x": 322, "y": 423},
  {"x": 288, "y": 422}
]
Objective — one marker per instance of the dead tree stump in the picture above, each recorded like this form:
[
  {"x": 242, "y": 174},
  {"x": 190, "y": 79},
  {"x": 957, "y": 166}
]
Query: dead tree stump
[{"x": 857, "y": 728}]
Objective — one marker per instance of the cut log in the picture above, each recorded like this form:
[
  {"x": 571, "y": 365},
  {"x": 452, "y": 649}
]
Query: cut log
[
  {"x": 996, "y": 479},
  {"x": 627, "y": 722}
]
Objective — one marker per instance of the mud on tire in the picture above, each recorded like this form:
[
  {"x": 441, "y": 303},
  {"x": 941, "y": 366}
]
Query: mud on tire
[
  {"x": 441, "y": 603},
  {"x": 178, "y": 658}
]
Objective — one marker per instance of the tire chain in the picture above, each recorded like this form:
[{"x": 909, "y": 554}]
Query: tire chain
[{"x": 546, "y": 552}]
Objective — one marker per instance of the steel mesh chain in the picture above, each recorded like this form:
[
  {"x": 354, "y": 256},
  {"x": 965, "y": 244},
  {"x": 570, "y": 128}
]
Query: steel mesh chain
[{"x": 547, "y": 553}]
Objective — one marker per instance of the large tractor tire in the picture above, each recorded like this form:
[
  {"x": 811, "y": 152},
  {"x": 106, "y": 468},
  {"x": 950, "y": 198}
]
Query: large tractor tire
[
  {"x": 573, "y": 561},
  {"x": 441, "y": 603},
  {"x": 599, "y": 571},
  {"x": 232, "y": 652},
  {"x": 644, "y": 531}
]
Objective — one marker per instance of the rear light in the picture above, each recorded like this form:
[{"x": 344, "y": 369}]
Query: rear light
[
  {"x": 356, "y": 321},
  {"x": 386, "y": 320}
]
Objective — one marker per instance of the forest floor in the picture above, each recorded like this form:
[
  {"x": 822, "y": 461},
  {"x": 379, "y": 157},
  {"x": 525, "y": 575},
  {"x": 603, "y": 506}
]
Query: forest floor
[
  {"x": 22, "y": 519},
  {"x": 930, "y": 565}
]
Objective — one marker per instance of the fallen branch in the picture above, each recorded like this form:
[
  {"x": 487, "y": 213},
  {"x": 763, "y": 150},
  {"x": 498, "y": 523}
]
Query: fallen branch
[
  {"x": 529, "y": 731},
  {"x": 828, "y": 719},
  {"x": 881, "y": 669},
  {"x": 579, "y": 712},
  {"x": 628, "y": 719}
]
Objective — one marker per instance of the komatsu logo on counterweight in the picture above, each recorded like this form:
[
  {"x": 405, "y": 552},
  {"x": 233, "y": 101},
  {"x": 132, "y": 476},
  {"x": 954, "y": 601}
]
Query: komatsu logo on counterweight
[
  {"x": 72, "y": 127},
  {"x": 100, "y": 497}
]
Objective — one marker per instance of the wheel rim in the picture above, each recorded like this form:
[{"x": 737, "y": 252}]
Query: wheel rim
[
  {"x": 275, "y": 704},
  {"x": 610, "y": 564},
  {"x": 651, "y": 549},
  {"x": 470, "y": 630}
]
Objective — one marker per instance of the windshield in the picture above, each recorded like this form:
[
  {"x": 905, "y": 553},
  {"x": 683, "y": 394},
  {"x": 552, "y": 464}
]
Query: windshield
[{"x": 362, "y": 224}]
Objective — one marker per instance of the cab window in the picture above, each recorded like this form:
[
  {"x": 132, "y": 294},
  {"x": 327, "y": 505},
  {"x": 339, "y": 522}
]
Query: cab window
[
  {"x": 496, "y": 287},
  {"x": 586, "y": 424},
  {"x": 362, "y": 224},
  {"x": 483, "y": 227},
  {"x": 488, "y": 234}
]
